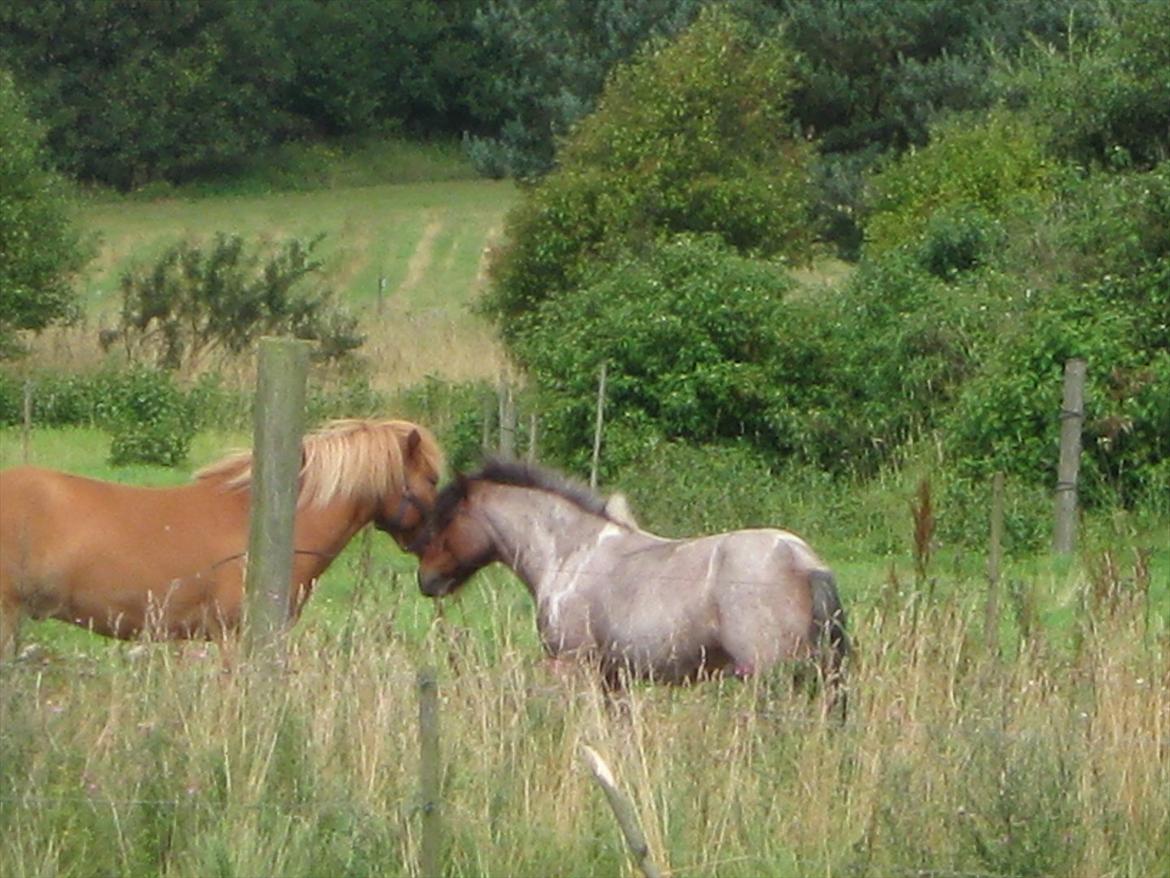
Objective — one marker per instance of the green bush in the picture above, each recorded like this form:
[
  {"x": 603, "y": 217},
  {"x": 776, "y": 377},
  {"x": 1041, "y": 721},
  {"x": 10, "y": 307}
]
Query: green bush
[
  {"x": 39, "y": 245},
  {"x": 149, "y": 418},
  {"x": 58, "y": 400},
  {"x": 692, "y": 136},
  {"x": 959, "y": 239},
  {"x": 199, "y": 301},
  {"x": 1106, "y": 101},
  {"x": 689, "y": 336},
  {"x": 989, "y": 166}
]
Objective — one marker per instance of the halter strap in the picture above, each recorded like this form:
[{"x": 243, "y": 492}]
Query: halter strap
[{"x": 406, "y": 501}]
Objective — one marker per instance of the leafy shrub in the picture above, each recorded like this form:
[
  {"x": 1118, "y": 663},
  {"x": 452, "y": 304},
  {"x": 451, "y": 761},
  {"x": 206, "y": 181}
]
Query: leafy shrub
[
  {"x": 692, "y": 136},
  {"x": 896, "y": 344},
  {"x": 551, "y": 60},
  {"x": 149, "y": 418},
  {"x": 959, "y": 240},
  {"x": 992, "y": 165},
  {"x": 195, "y": 301},
  {"x": 58, "y": 400},
  {"x": 39, "y": 245},
  {"x": 1106, "y": 102},
  {"x": 1007, "y": 415},
  {"x": 688, "y": 333}
]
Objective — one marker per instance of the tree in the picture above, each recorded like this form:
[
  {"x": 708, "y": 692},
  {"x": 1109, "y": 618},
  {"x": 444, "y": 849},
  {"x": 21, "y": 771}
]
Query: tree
[
  {"x": 141, "y": 90},
  {"x": 691, "y": 136},
  {"x": 39, "y": 247},
  {"x": 548, "y": 63},
  {"x": 1105, "y": 101}
]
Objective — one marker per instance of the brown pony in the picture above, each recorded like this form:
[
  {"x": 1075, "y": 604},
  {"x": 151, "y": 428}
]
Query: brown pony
[
  {"x": 169, "y": 562},
  {"x": 606, "y": 590}
]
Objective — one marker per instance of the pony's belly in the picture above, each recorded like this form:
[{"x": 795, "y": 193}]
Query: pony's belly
[
  {"x": 667, "y": 665},
  {"x": 180, "y": 610}
]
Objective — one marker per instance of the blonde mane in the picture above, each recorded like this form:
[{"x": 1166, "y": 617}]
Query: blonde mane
[{"x": 349, "y": 459}]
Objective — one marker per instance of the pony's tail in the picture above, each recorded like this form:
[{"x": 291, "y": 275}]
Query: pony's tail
[{"x": 828, "y": 621}]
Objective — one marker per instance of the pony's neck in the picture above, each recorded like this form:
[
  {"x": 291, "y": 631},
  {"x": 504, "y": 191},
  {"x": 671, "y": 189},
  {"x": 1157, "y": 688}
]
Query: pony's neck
[{"x": 535, "y": 531}]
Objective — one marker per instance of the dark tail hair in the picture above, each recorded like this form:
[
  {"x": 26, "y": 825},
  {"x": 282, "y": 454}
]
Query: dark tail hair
[{"x": 828, "y": 621}]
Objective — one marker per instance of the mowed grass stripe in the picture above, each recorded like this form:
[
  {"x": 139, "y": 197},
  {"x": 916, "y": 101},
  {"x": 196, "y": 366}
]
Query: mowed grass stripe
[
  {"x": 416, "y": 323},
  {"x": 370, "y": 232}
]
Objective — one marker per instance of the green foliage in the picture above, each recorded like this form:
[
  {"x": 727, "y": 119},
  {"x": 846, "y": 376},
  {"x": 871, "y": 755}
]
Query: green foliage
[
  {"x": 959, "y": 240},
  {"x": 38, "y": 243},
  {"x": 141, "y": 91},
  {"x": 689, "y": 336},
  {"x": 551, "y": 60},
  {"x": 690, "y": 137},
  {"x": 149, "y": 418},
  {"x": 1105, "y": 299},
  {"x": 1106, "y": 101},
  {"x": 972, "y": 173},
  {"x": 135, "y": 91},
  {"x": 875, "y": 75},
  {"x": 894, "y": 344},
  {"x": 378, "y": 65},
  {"x": 194, "y": 302},
  {"x": 456, "y": 412}
]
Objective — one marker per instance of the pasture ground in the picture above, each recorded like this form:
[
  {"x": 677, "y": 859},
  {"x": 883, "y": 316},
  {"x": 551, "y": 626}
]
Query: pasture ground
[
  {"x": 1050, "y": 758},
  {"x": 1046, "y": 756},
  {"x": 409, "y": 258}
]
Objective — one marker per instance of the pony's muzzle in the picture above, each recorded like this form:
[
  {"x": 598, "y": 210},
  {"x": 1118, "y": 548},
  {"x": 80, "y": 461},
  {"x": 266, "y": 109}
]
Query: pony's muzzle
[{"x": 434, "y": 585}]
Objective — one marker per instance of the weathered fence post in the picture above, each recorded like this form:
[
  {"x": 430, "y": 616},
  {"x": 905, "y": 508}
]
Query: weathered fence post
[
  {"x": 26, "y": 422},
  {"x": 994, "y": 562},
  {"x": 507, "y": 419},
  {"x": 485, "y": 439},
  {"x": 276, "y": 462},
  {"x": 532, "y": 438},
  {"x": 1072, "y": 417},
  {"x": 429, "y": 774},
  {"x": 623, "y": 811},
  {"x": 597, "y": 428}
]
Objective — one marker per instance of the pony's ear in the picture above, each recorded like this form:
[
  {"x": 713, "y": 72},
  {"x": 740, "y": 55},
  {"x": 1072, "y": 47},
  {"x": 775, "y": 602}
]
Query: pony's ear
[
  {"x": 413, "y": 441},
  {"x": 617, "y": 508}
]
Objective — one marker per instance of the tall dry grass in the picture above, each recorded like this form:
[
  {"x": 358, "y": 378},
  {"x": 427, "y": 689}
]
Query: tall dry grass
[{"x": 1052, "y": 760}]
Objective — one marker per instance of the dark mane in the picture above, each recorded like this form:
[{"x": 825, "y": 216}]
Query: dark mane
[{"x": 521, "y": 475}]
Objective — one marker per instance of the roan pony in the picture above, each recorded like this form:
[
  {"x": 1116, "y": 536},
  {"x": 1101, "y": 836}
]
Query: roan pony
[
  {"x": 169, "y": 562},
  {"x": 664, "y": 609}
]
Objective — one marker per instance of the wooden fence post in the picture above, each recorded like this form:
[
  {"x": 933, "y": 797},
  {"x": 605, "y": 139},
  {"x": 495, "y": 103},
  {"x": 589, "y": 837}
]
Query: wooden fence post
[
  {"x": 994, "y": 563},
  {"x": 623, "y": 811},
  {"x": 1072, "y": 417},
  {"x": 507, "y": 419},
  {"x": 276, "y": 463},
  {"x": 597, "y": 429},
  {"x": 26, "y": 422},
  {"x": 429, "y": 774},
  {"x": 532, "y": 438}
]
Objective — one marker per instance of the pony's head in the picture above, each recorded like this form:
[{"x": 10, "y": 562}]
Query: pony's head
[
  {"x": 404, "y": 516},
  {"x": 390, "y": 469},
  {"x": 455, "y": 543}
]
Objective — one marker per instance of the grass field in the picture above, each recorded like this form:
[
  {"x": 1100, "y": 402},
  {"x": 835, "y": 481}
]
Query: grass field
[
  {"x": 1048, "y": 755},
  {"x": 1046, "y": 759},
  {"x": 410, "y": 258}
]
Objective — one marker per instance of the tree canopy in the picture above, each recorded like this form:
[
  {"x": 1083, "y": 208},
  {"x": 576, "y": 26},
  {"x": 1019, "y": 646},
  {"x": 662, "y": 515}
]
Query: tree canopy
[{"x": 39, "y": 246}]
